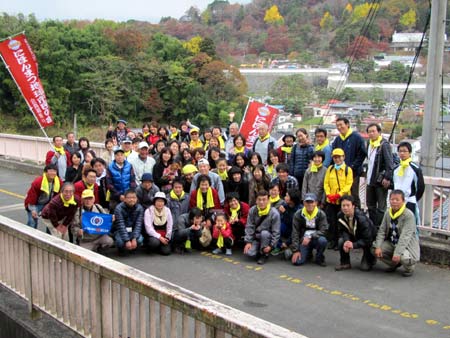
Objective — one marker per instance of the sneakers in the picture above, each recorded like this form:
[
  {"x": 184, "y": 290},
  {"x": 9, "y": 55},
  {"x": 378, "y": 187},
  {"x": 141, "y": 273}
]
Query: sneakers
[
  {"x": 275, "y": 252},
  {"x": 228, "y": 252},
  {"x": 408, "y": 273},
  {"x": 262, "y": 259},
  {"x": 321, "y": 263},
  {"x": 392, "y": 268},
  {"x": 365, "y": 266},
  {"x": 342, "y": 267},
  {"x": 217, "y": 251}
]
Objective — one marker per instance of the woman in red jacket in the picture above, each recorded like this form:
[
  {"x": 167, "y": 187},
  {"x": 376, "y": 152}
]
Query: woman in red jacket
[{"x": 237, "y": 213}]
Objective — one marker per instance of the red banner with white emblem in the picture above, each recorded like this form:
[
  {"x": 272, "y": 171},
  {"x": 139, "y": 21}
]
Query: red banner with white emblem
[
  {"x": 256, "y": 114},
  {"x": 22, "y": 65}
]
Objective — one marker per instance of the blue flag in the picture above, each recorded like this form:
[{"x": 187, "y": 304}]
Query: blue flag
[{"x": 94, "y": 223}]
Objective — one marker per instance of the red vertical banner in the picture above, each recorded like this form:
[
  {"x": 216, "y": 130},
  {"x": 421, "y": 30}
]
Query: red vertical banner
[
  {"x": 256, "y": 114},
  {"x": 22, "y": 65}
]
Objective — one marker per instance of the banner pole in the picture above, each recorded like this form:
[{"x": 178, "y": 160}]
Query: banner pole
[
  {"x": 11, "y": 36},
  {"x": 245, "y": 112},
  {"x": 29, "y": 107}
]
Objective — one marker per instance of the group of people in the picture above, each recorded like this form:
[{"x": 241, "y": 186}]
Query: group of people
[{"x": 176, "y": 189}]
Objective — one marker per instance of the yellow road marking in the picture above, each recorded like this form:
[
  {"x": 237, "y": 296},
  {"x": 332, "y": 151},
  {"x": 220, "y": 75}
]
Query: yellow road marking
[{"x": 12, "y": 194}]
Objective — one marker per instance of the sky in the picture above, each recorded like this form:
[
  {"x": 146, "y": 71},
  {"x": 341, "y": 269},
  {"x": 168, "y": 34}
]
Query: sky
[{"x": 146, "y": 10}]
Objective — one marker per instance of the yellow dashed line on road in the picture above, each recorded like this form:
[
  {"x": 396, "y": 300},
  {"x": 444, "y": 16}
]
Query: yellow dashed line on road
[
  {"x": 231, "y": 261},
  {"x": 10, "y": 193}
]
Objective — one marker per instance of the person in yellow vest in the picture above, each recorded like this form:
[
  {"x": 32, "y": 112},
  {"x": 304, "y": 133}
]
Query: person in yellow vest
[
  {"x": 337, "y": 183},
  {"x": 195, "y": 139}
]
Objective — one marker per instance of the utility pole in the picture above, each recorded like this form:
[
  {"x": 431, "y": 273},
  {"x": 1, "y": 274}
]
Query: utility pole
[{"x": 433, "y": 99}]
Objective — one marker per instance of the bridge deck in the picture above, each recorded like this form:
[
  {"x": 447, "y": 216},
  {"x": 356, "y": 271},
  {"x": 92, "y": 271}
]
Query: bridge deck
[{"x": 315, "y": 301}]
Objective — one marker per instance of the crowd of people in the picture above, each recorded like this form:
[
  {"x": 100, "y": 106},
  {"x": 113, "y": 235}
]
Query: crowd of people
[{"x": 176, "y": 188}]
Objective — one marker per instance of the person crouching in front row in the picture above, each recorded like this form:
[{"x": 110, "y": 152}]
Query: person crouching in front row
[{"x": 158, "y": 225}]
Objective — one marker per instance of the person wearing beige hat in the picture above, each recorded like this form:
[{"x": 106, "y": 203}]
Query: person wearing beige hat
[{"x": 85, "y": 240}]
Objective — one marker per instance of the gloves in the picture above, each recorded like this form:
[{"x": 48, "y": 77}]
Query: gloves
[{"x": 333, "y": 198}]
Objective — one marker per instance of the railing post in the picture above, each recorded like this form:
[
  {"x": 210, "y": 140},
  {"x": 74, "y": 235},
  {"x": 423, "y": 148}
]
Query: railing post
[{"x": 106, "y": 308}]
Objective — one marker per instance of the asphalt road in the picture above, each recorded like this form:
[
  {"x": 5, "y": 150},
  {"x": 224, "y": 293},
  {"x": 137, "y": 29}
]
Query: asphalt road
[{"x": 312, "y": 300}]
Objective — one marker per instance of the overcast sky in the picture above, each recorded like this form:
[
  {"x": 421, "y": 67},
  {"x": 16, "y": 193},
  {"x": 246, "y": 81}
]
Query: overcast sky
[{"x": 149, "y": 10}]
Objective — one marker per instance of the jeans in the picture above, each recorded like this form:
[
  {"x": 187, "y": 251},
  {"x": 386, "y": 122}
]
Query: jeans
[
  {"x": 320, "y": 244},
  {"x": 33, "y": 222},
  {"x": 120, "y": 244}
]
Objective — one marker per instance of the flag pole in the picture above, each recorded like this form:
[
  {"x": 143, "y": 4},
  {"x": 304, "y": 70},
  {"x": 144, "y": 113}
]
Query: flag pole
[
  {"x": 29, "y": 107},
  {"x": 245, "y": 112},
  {"x": 11, "y": 36}
]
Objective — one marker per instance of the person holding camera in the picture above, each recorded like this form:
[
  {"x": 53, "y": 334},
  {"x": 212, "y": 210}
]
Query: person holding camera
[{"x": 379, "y": 173}]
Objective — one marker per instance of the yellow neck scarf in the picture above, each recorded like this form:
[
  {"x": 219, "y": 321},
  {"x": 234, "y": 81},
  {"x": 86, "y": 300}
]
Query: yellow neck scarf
[
  {"x": 403, "y": 165},
  {"x": 220, "y": 243},
  {"x": 265, "y": 211},
  {"x": 174, "y": 135},
  {"x": 69, "y": 202},
  {"x": 239, "y": 150},
  {"x": 45, "y": 185},
  {"x": 264, "y": 138},
  {"x": 88, "y": 186},
  {"x": 349, "y": 132},
  {"x": 60, "y": 150},
  {"x": 221, "y": 142},
  {"x": 286, "y": 150},
  {"x": 269, "y": 169},
  {"x": 398, "y": 213},
  {"x": 315, "y": 168},
  {"x": 308, "y": 216},
  {"x": 175, "y": 197},
  {"x": 127, "y": 153},
  {"x": 223, "y": 175},
  {"x": 274, "y": 200},
  {"x": 205, "y": 146},
  {"x": 376, "y": 143},
  {"x": 320, "y": 147},
  {"x": 209, "y": 199},
  {"x": 146, "y": 134},
  {"x": 234, "y": 212}
]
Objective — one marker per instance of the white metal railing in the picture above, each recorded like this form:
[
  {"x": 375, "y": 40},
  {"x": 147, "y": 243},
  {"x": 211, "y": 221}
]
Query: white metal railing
[
  {"x": 434, "y": 205},
  {"x": 32, "y": 148},
  {"x": 102, "y": 298}
]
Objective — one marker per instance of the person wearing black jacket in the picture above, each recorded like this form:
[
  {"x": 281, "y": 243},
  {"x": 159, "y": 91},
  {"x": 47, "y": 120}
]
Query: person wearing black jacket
[
  {"x": 237, "y": 183},
  {"x": 356, "y": 231},
  {"x": 379, "y": 173}
]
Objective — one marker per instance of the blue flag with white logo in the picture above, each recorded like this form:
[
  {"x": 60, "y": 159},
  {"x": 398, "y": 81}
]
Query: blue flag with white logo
[{"x": 94, "y": 223}]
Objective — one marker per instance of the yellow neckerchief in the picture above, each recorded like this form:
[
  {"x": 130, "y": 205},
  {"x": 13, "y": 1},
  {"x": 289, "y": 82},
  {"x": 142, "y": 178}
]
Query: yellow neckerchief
[
  {"x": 221, "y": 142},
  {"x": 234, "y": 212},
  {"x": 195, "y": 144},
  {"x": 209, "y": 199},
  {"x": 308, "y": 216},
  {"x": 320, "y": 147},
  {"x": 45, "y": 185},
  {"x": 403, "y": 165},
  {"x": 175, "y": 197},
  {"x": 264, "y": 138},
  {"x": 174, "y": 135},
  {"x": 127, "y": 153},
  {"x": 60, "y": 150},
  {"x": 398, "y": 213},
  {"x": 274, "y": 200},
  {"x": 376, "y": 143},
  {"x": 315, "y": 168},
  {"x": 286, "y": 150},
  {"x": 88, "y": 186},
  {"x": 206, "y": 145},
  {"x": 146, "y": 134},
  {"x": 223, "y": 176},
  {"x": 239, "y": 150},
  {"x": 69, "y": 202},
  {"x": 220, "y": 238},
  {"x": 265, "y": 211},
  {"x": 269, "y": 169},
  {"x": 349, "y": 132}
]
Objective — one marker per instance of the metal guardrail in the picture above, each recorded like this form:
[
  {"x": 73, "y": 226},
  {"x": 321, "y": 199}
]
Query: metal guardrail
[{"x": 102, "y": 298}]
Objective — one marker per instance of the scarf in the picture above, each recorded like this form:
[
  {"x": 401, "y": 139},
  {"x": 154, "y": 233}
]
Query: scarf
[
  {"x": 286, "y": 150},
  {"x": 160, "y": 218},
  {"x": 60, "y": 150},
  {"x": 264, "y": 138},
  {"x": 315, "y": 168},
  {"x": 274, "y": 200},
  {"x": 234, "y": 212},
  {"x": 220, "y": 238},
  {"x": 239, "y": 150},
  {"x": 209, "y": 199},
  {"x": 175, "y": 197},
  {"x": 403, "y": 165},
  {"x": 174, "y": 135},
  {"x": 344, "y": 137},
  {"x": 263, "y": 212},
  {"x": 337, "y": 166},
  {"x": 206, "y": 145},
  {"x": 320, "y": 147},
  {"x": 45, "y": 185},
  {"x": 146, "y": 134},
  {"x": 308, "y": 216},
  {"x": 376, "y": 143},
  {"x": 221, "y": 142},
  {"x": 398, "y": 213},
  {"x": 88, "y": 186},
  {"x": 223, "y": 175},
  {"x": 269, "y": 169},
  {"x": 69, "y": 202},
  {"x": 127, "y": 153}
]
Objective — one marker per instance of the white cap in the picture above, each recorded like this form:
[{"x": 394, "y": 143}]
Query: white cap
[{"x": 143, "y": 144}]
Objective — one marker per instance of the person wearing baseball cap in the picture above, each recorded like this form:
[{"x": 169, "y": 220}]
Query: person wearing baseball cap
[
  {"x": 146, "y": 190},
  {"x": 216, "y": 182},
  {"x": 127, "y": 145},
  {"x": 158, "y": 225},
  {"x": 142, "y": 163},
  {"x": 195, "y": 139},
  {"x": 89, "y": 241},
  {"x": 337, "y": 183},
  {"x": 309, "y": 227}
]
